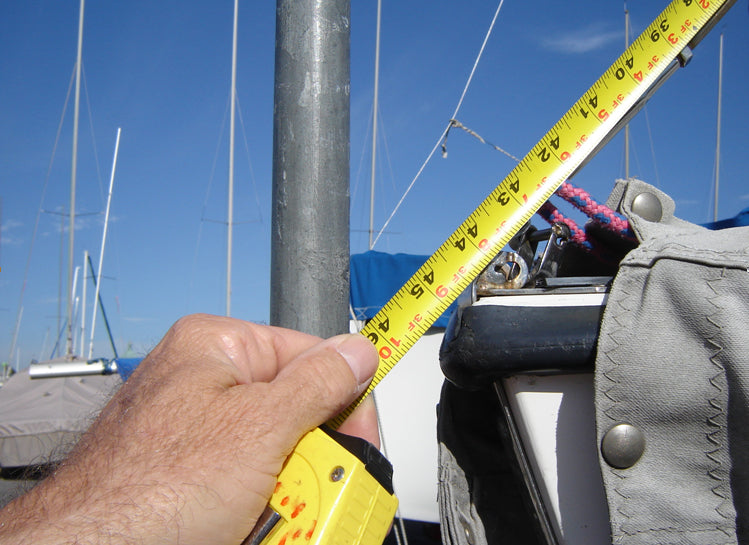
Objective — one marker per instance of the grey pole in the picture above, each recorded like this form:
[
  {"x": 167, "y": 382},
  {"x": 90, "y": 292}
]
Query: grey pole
[{"x": 310, "y": 220}]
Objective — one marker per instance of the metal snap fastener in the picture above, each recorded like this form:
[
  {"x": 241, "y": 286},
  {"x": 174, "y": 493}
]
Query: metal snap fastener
[
  {"x": 647, "y": 206},
  {"x": 622, "y": 446}
]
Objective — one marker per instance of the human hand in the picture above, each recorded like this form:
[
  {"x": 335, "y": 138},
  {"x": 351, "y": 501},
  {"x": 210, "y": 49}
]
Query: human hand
[{"x": 189, "y": 449}]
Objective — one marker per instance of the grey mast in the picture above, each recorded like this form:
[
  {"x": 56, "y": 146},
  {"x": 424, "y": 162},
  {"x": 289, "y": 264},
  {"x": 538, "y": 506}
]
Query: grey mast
[
  {"x": 71, "y": 226},
  {"x": 310, "y": 219}
]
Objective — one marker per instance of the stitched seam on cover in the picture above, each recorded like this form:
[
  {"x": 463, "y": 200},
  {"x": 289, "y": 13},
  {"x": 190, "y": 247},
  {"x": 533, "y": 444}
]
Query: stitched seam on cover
[
  {"x": 718, "y": 417},
  {"x": 679, "y": 531},
  {"x": 686, "y": 253},
  {"x": 688, "y": 248},
  {"x": 620, "y": 318}
]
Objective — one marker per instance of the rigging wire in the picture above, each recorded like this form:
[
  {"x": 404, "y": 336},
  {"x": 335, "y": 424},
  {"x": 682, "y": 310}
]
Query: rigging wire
[
  {"x": 355, "y": 189},
  {"x": 203, "y": 218},
  {"x": 205, "y": 205},
  {"x": 38, "y": 215},
  {"x": 249, "y": 164},
  {"x": 355, "y": 180},
  {"x": 387, "y": 152},
  {"x": 388, "y": 162},
  {"x": 579, "y": 198},
  {"x": 459, "y": 125},
  {"x": 93, "y": 136},
  {"x": 447, "y": 129},
  {"x": 652, "y": 148},
  {"x": 629, "y": 39}
]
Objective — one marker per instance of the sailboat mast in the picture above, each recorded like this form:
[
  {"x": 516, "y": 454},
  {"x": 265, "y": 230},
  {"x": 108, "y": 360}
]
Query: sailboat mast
[
  {"x": 103, "y": 244},
  {"x": 374, "y": 125},
  {"x": 71, "y": 225},
  {"x": 75, "y": 300},
  {"x": 311, "y": 119},
  {"x": 230, "y": 214},
  {"x": 717, "y": 143},
  {"x": 83, "y": 305}
]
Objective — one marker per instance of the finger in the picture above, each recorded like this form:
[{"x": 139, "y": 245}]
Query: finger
[
  {"x": 239, "y": 352},
  {"x": 324, "y": 380},
  {"x": 363, "y": 422},
  {"x": 259, "y": 352}
]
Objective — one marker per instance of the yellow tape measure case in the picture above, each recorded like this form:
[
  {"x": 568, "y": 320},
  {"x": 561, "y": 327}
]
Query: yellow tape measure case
[{"x": 334, "y": 489}]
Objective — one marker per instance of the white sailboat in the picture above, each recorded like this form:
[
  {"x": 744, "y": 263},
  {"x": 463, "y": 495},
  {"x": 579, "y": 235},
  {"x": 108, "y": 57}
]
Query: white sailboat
[{"x": 43, "y": 409}]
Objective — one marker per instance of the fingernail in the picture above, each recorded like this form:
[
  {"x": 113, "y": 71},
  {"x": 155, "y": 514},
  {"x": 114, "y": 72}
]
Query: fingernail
[{"x": 360, "y": 355}]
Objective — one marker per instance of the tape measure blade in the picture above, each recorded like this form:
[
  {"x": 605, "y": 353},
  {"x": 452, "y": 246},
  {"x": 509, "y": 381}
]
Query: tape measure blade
[
  {"x": 556, "y": 156},
  {"x": 710, "y": 24}
]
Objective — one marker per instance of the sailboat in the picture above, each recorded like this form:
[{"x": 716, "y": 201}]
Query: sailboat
[{"x": 43, "y": 409}]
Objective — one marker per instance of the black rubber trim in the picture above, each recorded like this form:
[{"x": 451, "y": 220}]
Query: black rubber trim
[{"x": 487, "y": 342}]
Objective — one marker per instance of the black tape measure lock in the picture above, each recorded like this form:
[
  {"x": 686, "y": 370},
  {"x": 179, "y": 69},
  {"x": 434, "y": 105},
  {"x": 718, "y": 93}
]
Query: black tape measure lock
[{"x": 325, "y": 493}]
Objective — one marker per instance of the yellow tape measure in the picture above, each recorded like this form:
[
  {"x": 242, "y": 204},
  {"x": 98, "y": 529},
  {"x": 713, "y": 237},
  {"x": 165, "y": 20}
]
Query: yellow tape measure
[{"x": 450, "y": 270}]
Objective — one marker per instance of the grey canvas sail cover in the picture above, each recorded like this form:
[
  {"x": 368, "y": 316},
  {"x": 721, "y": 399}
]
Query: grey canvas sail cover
[
  {"x": 673, "y": 362},
  {"x": 41, "y": 419},
  {"x": 671, "y": 368}
]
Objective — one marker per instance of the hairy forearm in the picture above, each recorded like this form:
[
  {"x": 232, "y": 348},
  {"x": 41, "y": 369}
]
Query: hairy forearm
[
  {"x": 90, "y": 498},
  {"x": 189, "y": 449},
  {"x": 134, "y": 480},
  {"x": 49, "y": 513},
  {"x": 68, "y": 509}
]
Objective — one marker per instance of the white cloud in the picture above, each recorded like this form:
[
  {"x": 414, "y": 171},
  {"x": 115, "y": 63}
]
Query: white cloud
[
  {"x": 583, "y": 40},
  {"x": 7, "y": 233},
  {"x": 10, "y": 224}
]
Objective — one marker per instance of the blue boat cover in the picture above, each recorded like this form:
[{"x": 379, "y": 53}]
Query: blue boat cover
[
  {"x": 126, "y": 366},
  {"x": 739, "y": 220},
  {"x": 376, "y": 276}
]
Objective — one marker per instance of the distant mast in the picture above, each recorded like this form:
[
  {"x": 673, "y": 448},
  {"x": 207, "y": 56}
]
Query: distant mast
[
  {"x": 717, "y": 143},
  {"x": 626, "y": 127},
  {"x": 230, "y": 213},
  {"x": 71, "y": 225},
  {"x": 97, "y": 283},
  {"x": 374, "y": 125}
]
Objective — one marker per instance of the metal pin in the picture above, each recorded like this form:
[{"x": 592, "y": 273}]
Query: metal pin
[{"x": 337, "y": 474}]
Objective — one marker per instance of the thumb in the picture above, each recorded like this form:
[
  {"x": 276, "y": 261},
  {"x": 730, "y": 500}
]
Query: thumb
[{"x": 324, "y": 380}]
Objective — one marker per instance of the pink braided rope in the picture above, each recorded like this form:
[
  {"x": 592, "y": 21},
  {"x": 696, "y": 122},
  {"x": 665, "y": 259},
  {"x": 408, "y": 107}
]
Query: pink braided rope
[{"x": 582, "y": 200}]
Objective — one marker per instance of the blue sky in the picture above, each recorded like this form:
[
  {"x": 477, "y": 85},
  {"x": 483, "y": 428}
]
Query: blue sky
[{"x": 161, "y": 72}]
